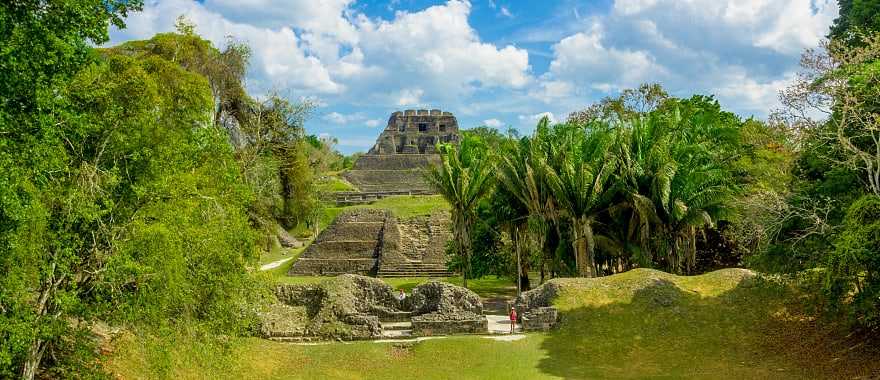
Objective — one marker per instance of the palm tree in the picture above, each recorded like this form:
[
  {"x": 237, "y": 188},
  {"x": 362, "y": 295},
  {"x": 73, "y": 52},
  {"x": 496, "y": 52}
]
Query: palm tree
[
  {"x": 463, "y": 178},
  {"x": 675, "y": 186},
  {"x": 581, "y": 179},
  {"x": 522, "y": 173}
]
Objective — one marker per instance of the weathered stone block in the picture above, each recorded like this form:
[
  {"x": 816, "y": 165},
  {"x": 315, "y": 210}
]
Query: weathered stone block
[
  {"x": 445, "y": 299},
  {"x": 430, "y": 324},
  {"x": 540, "y": 319}
]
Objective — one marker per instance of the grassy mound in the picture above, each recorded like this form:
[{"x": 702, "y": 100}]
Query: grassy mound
[{"x": 727, "y": 324}]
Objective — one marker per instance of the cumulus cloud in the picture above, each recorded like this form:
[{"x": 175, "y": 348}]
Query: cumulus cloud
[
  {"x": 410, "y": 97},
  {"x": 743, "y": 51},
  {"x": 494, "y": 123},
  {"x": 277, "y": 53},
  {"x": 583, "y": 59},
  {"x": 438, "y": 48},
  {"x": 326, "y": 47}
]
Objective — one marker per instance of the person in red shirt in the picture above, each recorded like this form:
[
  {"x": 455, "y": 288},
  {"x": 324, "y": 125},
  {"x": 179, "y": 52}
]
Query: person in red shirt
[{"x": 512, "y": 319}]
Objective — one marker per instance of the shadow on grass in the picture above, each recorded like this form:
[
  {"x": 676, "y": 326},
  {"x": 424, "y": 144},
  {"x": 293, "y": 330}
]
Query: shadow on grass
[{"x": 748, "y": 332}]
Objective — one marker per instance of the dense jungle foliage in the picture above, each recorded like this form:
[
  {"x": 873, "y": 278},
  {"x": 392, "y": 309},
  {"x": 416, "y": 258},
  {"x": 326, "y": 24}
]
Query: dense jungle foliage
[{"x": 140, "y": 183}]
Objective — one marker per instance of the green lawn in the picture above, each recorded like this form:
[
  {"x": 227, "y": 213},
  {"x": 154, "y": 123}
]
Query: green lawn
[
  {"x": 406, "y": 206},
  {"x": 640, "y": 324},
  {"x": 332, "y": 184}
]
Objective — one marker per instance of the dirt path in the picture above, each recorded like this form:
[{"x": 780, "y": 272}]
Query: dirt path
[{"x": 275, "y": 264}]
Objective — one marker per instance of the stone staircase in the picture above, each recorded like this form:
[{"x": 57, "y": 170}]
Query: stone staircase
[
  {"x": 396, "y": 330},
  {"x": 414, "y": 269}
]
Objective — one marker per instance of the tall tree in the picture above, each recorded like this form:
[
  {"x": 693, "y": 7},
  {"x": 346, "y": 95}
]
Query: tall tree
[
  {"x": 856, "y": 19},
  {"x": 581, "y": 179},
  {"x": 462, "y": 178}
]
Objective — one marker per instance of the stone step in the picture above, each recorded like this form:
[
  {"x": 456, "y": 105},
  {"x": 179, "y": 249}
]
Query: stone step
[
  {"x": 397, "y": 334},
  {"x": 418, "y": 274},
  {"x": 425, "y": 266},
  {"x": 386, "y": 326},
  {"x": 386, "y": 269},
  {"x": 395, "y": 317},
  {"x": 294, "y": 339},
  {"x": 414, "y": 271}
]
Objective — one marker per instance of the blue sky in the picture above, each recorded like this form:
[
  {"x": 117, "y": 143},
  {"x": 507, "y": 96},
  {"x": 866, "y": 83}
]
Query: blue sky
[{"x": 500, "y": 63}]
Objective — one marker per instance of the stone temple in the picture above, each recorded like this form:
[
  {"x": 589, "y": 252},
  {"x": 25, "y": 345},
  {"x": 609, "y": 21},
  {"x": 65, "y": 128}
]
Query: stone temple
[
  {"x": 375, "y": 242},
  {"x": 404, "y": 149}
]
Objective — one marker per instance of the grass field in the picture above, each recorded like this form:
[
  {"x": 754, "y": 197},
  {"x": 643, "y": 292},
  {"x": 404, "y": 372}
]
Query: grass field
[
  {"x": 640, "y": 324},
  {"x": 406, "y": 206}
]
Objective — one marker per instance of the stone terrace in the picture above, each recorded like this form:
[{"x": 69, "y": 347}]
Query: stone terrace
[{"x": 375, "y": 242}]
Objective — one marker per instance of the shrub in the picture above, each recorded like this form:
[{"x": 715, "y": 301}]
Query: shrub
[{"x": 853, "y": 277}]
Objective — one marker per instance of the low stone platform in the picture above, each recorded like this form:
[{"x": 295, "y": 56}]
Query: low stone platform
[{"x": 540, "y": 319}]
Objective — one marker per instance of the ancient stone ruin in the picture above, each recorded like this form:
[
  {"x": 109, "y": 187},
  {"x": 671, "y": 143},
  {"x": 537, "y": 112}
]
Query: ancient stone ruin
[
  {"x": 404, "y": 149},
  {"x": 376, "y": 243},
  {"x": 535, "y": 307},
  {"x": 440, "y": 308},
  {"x": 352, "y": 307}
]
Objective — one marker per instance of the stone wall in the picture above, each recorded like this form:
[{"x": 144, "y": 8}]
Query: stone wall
[
  {"x": 351, "y": 307},
  {"x": 539, "y": 319},
  {"x": 425, "y": 325},
  {"x": 388, "y": 180},
  {"x": 396, "y": 161}
]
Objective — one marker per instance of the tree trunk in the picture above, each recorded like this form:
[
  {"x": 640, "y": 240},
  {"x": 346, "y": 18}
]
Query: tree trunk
[
  {"x": 34, "y": 356},
  {"x": 463, "y": 238},
  {"x": 590, "y": 244},
  {"x": 583, "y": 245},
  {"x": 517, "y": 246}
]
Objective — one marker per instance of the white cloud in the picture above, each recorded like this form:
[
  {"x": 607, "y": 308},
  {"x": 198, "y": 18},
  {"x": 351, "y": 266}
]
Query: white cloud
[
  {"x": 741, "y": 92},
  {"x": 505, "y": 12},
  {"x": 410, "y": 97},
  {"x": 494, "y": 123},
  {"x": 438, "y": 48},
  {"x": 537, "y": 117},
  {"x": 787, "y": 26},
  {"x": 583, "y": 60},
  {"x": 628, "y": 7},
  {"x": 329, "y": 48},
  {"x": 278, "y": 54},
  {"x": 338, "y": 118},
  {"x": 373, "y": 123}
]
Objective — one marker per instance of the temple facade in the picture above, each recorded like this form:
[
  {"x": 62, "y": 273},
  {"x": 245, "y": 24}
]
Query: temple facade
[
  {"x": 416, "y": 132},
  {"x": 403, "y": 150}
]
